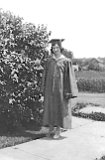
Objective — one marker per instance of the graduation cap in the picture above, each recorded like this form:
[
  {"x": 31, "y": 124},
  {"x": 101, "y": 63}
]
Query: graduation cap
[{"x": 56, "y": 41}]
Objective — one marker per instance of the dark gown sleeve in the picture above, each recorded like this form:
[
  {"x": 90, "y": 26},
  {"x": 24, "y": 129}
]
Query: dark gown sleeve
[
  {"x": 44, "y": 75},
  {"x": 69, "y": 81}
]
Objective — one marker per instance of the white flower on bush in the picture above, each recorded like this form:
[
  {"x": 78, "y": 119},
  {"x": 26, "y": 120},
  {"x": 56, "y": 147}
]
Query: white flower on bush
[
  {"x": 37, "y": 62},
  {"x": 19, "y": 66},
  {"x": 18, "y": 100},
  {"x": 19, "y": 95},
  {"x": 29, "y": 84},
  {"x": 15, "y": 77},
  {"x": 11, "y": 100},
  {"x": 41, "y": 99}
]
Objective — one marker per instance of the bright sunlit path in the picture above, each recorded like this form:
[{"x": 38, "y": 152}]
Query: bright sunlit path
[{"x": 80, "y": 22}]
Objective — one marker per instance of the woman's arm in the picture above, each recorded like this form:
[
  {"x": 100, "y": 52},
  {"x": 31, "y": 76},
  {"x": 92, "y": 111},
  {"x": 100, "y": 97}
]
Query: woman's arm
[
  {"x": 44, "y": 74},
  {"x": 70, "y": 86}
]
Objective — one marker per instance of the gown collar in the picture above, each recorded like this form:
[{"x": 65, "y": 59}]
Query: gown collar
[{"x": 62, "y": 56}]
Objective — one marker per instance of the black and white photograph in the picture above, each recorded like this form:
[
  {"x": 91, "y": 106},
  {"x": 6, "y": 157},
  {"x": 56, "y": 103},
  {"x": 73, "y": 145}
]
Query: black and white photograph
[{"x": 52, "y": 80}]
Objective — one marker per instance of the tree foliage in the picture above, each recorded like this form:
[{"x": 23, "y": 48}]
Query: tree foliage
[{"x": 22, "y": 54}]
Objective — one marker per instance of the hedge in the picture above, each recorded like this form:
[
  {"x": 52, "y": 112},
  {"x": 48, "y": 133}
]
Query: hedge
[
  {"x": 22, "y": 55},
  {"x": 91, "y": 85},
  {"x": 97, "y": 116}
]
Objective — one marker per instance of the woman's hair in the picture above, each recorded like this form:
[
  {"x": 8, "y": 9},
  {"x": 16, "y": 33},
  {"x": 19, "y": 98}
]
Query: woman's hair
[{"x": 59, "y": 44}]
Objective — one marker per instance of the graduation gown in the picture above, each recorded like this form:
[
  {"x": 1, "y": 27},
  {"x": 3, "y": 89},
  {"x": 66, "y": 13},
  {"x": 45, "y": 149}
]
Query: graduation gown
[{"x": 58, "y": 86}]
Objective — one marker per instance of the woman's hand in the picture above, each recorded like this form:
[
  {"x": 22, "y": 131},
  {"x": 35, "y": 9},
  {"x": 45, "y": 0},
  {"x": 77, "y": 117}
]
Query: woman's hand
[{"x": 67, "y": 96}]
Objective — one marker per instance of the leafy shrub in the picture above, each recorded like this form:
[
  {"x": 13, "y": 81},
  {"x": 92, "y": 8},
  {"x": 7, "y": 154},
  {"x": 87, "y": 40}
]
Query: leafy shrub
[
  {"x": 91, "y": 81},
  {"x": 90, "y": 75},
  {"x": 91, "y": 85},
  {"x": 97, "y": 116},
  {"x": 22, "y": 54}
]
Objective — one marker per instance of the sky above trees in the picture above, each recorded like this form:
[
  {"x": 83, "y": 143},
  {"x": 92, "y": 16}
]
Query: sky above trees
[{"x": 79, "y": 22}]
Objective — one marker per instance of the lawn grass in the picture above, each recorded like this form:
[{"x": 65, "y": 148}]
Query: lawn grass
[
  {"x": 95, "y": 98},
  {"x": 18, "y": 137},
  {"x": 94, "y": 115},
  {"x": 31, "y": 132},
  {"x": 90, "y": 75}
]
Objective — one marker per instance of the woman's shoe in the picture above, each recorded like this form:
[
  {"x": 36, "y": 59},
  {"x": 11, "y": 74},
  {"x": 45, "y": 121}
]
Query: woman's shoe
[
  {"x": 56, "y": 136},
  {"x": 57, "y": 133},
  {"x": 63, "y": 129},
  {"x": 50, "y": 133}
]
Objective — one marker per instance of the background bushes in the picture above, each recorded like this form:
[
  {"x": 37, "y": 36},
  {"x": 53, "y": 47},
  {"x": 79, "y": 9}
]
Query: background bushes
[
  {"x": 91, "y": 85},
  {"x": 22, "y": 55},
  {"x": 91, "y": 81}
]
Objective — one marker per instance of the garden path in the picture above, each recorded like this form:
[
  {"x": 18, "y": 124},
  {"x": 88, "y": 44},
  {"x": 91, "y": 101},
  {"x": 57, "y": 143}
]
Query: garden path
[{"x": 85, "y": 141}]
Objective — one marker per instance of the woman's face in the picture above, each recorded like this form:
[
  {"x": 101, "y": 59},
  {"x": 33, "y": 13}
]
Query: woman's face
[{"x": 56, "y": 49}]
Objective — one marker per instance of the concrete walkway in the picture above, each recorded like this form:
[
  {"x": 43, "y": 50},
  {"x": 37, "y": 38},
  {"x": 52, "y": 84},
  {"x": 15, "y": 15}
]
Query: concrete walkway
[{"x": 85, "y": 141}]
